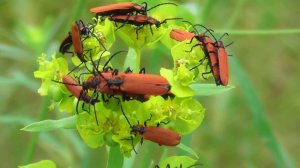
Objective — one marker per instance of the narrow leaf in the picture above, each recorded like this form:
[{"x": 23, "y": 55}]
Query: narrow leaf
[
  {"x": 188, "y": 150},
  {"x": 43, "y": 164},
  {"x": 49, "y": 125},
  {"x": 115, "y": 158},
  {"x": 209, "y": 89}
]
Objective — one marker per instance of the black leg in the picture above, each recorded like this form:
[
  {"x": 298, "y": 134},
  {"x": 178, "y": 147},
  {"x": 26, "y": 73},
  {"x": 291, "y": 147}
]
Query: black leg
[
  {"x": 128, "y": 70},
  {"x": 142, "y": 70}
]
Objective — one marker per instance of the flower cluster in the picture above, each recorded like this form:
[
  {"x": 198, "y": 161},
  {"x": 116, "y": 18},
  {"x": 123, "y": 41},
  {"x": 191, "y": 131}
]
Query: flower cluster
[{"x": 109, "y": 121}]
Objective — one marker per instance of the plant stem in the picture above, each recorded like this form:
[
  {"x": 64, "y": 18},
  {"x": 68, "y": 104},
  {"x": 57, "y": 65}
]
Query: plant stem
[
  {"x": 137, "y": 60},
  {"x": 260, "y": 32},
  {"x": 33, "y": 143},
  {"x": 115, "y": 158},
  {"x": 236, "y": 14}
]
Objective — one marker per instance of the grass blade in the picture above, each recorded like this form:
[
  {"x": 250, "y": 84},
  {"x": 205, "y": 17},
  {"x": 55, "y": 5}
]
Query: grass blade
[
  {"x": 188, "y": 150},
  {"x": 115, "y": 158},
  {"x": 209, "y": 89},
  {"x": 260, "y": 121},
  {"x": 49, "y": 125}
]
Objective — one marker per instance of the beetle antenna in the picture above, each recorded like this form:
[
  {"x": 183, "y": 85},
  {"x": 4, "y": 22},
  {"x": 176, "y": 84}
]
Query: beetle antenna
[
  {"x": 165, "y": 21},
  {"x": 98, "y": 63},
  {"x": 125, "y": 115},
  {"x": 167, "y": 3},
  {"x": 72, "y": 84},
  {"x": 111, "y": 57},
  {"x": 229, "y": 44},
  {"x": 225, "y": 34},
  {"x": 207, "y": 30},
  {"x": 75, "y": 68},
  {"x": 192, "y": 26}
]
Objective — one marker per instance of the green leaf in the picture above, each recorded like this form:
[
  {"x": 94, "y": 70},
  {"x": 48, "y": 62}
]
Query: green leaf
[
  {"x": 130, "y": 58},
  {"x": 188, "y": 150},
  {"x": 177, "y": 88},
  {"x": 115, "y": 158},
  {"x": 49, "y": 125},
  {"x": 91, "y": 133},
  {"x": 177, "y": 161},
  {"x": 209, "y": 89},
  {"x": 40, "y": 164}
]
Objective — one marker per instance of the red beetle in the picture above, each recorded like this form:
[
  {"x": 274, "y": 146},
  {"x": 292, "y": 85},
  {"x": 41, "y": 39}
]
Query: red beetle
[
  {"x": 131, "y": 83},
  {"x": 161, "y": 136},
  {"x": 74, "y": 37},
  {"x": 138, "y": 20},
  {"x": 80, "y": 93},
  {"x": 215, "y": 53},
  {"x": 124, "y": 8},
  {"x": 223, "y": 63}
]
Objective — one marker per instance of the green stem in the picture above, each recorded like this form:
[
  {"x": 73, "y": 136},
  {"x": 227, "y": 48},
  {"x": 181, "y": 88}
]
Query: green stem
[
  {"x": 260, "y": 32},
  {"x": 115, "y": 158},
  {"x": 137, "y": 60},
  {"x": 207, "y": 9},
  {"x": 146, "y": 154},
  {"x": 35, "y": 137},
  {"x": 187, "y": 140},
  {"x": 236, "y": 14},
  {"x": 78, "y": 9}
]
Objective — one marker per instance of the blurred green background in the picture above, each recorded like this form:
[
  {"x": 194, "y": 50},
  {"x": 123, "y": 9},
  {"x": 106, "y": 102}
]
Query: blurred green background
[{"x": 254, "y": 125}]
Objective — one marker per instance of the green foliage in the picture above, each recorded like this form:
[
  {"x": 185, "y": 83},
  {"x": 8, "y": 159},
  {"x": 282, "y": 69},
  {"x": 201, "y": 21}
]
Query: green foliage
[
  {"x": 40, "y": 164},
  {"x": 177, "y": 161},
  {"x": 49, "y": 125}
]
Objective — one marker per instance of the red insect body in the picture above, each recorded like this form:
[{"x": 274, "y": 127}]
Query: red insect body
[
  {"x": 76, "y": 89},
  {"x": 215, "y": 51},
  {"x": 162, "y": 136},
  {"x": 181, "y": 35},
  {"x": 76, "y": 39},
  {"x": 223, "y": 63},
  {"x": 211, "y": 51},
  {"x": 132, "y": 84},
  {"x": 118, "y": 8},
  {"x": 137, "y": 20},
  {"x": 124, "y": 8}
]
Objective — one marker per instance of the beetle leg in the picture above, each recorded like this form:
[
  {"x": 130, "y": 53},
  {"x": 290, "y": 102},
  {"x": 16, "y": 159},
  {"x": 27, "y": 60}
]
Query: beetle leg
[
  {"x": 128, "y": 70},
  {"x": 193, "y": 47},
  {"x": 142, "y": 70}
]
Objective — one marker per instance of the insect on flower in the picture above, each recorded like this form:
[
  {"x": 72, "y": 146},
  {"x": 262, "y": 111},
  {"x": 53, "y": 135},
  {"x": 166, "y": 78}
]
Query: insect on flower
[
  {"x": 214, "y": 51},
  {"x": 78, "y": 30},
  {"x": 156, "y": 134},
  {"x": 139, "y": 21},
  {"x": 124, "y": 8}
]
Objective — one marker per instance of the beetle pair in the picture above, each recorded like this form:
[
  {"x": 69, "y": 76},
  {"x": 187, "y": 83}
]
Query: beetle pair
[
  {"x": 130, "y": 13},
  {"x": 214, "y": 51},
  {"x": 112, "y": 83}
]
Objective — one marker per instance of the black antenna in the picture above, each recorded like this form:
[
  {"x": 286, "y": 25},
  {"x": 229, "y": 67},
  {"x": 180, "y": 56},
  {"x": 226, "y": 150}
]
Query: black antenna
[
  {"x": 100, "y": 60},
  {"x": 192, "y": 26},
  {"x": 167, "y": 3},
  {"x": 225, "y": 34},
  {"x": 229, "y": 44},
  {"x": 72, "y": 84},
  {"x": 207, "y": 30},
  {"x": 111, "y": 57},
  {"x": 125, "y": 115},
  {"x": 75, "y": 68},
  {"x": 165, "y": 21}
]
